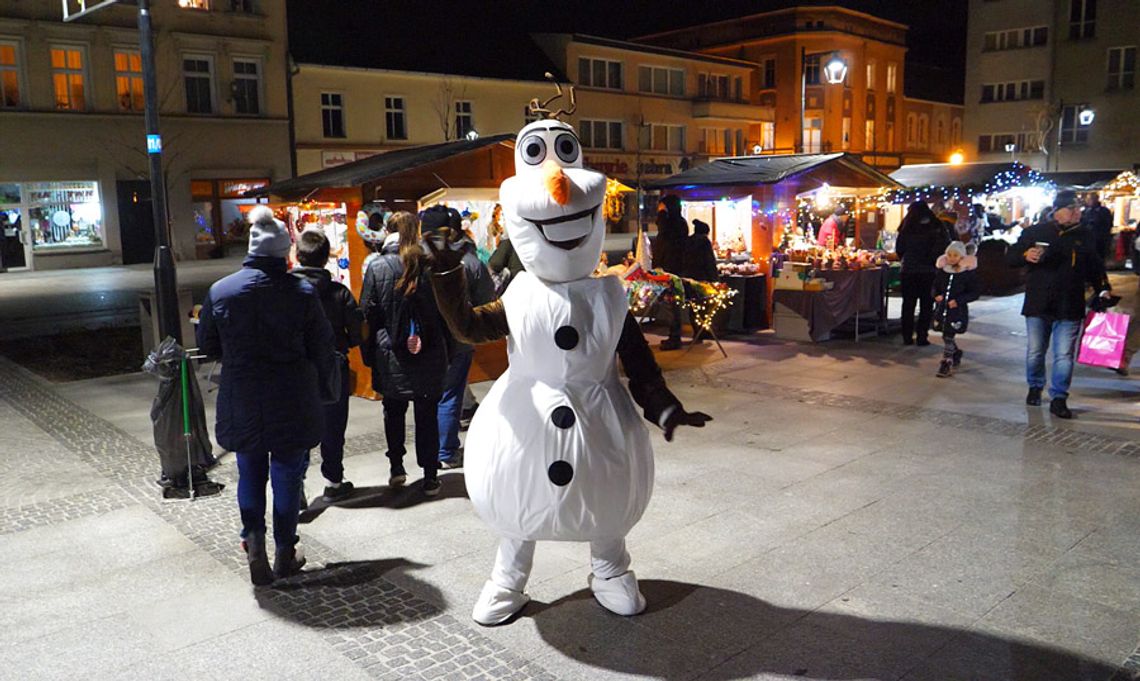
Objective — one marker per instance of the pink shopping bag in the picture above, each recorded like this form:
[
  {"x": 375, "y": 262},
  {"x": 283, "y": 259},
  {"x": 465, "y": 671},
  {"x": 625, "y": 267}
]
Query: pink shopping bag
[{"x": 1102, "y": 344}]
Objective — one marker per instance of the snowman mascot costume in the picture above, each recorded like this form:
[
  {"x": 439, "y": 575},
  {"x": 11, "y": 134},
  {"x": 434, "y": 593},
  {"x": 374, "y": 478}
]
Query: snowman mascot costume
[{"x": 557, "y": 450}]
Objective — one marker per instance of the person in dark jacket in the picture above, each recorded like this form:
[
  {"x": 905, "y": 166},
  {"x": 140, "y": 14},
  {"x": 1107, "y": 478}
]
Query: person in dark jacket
[
  {"x": 479, "y": 288},
  {"x": 921, "y": 240},
  {"x": 407, "y": 349},
  {"x": 346, "y": 320},
  {"x": 1099, "y": 221},
  {"x": 268, "y": 329},
  {"x": 669, "y": 255},
  {"x": 956, "y": 285},
  {"x": 700, "y": 260},
  {"x": 504, "y": 264},
  {"x": 1061, "y": 258}
]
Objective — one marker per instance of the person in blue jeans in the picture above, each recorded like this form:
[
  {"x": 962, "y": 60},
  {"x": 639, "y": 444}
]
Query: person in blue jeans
[
  {"x": 480, "y": 290},
  {"x": 276, "y": 346},
  {"x": 1061, "y": 258}
]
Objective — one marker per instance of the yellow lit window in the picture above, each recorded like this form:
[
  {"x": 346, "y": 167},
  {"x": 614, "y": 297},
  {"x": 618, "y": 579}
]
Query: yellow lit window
[
  {"x": 128, "y": 80},
  {"x": 68, "y": 78}
]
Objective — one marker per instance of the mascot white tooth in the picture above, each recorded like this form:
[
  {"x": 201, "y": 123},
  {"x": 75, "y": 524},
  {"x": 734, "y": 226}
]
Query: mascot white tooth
[{"x": 557, "y": 450}]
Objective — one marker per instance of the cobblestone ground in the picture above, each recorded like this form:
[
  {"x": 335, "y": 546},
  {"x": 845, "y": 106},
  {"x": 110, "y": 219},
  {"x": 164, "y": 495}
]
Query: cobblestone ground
[{"x": 817, "y": 529}]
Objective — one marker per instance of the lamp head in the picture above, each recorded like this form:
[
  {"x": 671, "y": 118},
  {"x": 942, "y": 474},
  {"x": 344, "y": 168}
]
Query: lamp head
[{"x": 835, "y": 71}]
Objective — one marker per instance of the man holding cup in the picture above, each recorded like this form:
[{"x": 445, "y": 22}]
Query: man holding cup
[{"x": 1061, "y": 257}]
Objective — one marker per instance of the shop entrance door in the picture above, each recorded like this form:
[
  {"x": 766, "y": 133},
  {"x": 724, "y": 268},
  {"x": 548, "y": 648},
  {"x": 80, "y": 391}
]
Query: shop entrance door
[
  {"x": 136, "y": 221},
  {"x": 15, "y": 242}
]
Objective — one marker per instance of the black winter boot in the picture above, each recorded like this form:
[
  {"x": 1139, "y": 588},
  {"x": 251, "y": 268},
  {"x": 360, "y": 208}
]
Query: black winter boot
[
  {"x": 945, "y": 368},
  {"x": 1060, "y": 408},
  {"x": 1033, "y": 397},
  {"x": 288, "y": 562},
  {"x": 259, "y": 572}
]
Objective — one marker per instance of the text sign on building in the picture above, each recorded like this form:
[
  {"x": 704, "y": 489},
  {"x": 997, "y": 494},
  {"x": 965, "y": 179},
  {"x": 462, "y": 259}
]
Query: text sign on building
[{"x": 154, "y": 144}]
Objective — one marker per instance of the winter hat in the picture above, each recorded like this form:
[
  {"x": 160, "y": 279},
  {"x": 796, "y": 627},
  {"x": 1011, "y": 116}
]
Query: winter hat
[
  {"x": 437, "y": 216},
  {"x": 267, "y": 235},
  {"x": 700, "y": 227},
  {"x": 957, "y": 247},
  {"x": 1064, "y": 199}
]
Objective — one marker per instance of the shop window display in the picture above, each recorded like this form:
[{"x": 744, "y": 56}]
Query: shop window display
[{"x": 65, "y": 215}]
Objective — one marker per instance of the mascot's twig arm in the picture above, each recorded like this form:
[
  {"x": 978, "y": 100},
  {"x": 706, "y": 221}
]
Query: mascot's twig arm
[
  {"x": 646, "y": 383},
  {"x": 470, "y": 324}
]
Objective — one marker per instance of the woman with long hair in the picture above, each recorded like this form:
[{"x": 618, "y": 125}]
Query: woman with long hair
[
  {"x": 407, "y": 349},
  {"x": 921, "y": 241}
]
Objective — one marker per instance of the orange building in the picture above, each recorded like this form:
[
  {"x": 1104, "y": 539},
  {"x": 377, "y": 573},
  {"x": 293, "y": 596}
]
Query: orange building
[{"x": 864, "y": 113}]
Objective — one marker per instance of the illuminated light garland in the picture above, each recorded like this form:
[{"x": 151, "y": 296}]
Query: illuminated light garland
[
  {"x": 1127, "y": 182},
  {"x": 704, "y": 310},
  {"x": 1017, "y": 175}
]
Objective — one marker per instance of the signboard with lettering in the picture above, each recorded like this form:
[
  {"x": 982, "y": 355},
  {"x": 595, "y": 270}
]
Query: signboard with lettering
[
  {"x": 630, "y": 168},
  {"x": 330, "y": 159}
]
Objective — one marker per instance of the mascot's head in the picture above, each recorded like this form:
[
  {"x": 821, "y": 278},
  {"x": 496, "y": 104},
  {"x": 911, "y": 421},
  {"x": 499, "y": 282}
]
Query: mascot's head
[{"x": 552, "y": 205}]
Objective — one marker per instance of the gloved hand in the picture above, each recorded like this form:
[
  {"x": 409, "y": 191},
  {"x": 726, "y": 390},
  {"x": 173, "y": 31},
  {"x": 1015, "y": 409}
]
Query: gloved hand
[
  {"x": 441, "y": 258},
  {"x": 680, "y": 417}
]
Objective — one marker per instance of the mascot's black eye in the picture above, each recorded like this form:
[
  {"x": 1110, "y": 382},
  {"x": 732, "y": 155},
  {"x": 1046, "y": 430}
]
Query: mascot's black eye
[
  {"x": 533, "y": 150},
  {"x": 566, "y": 146}
]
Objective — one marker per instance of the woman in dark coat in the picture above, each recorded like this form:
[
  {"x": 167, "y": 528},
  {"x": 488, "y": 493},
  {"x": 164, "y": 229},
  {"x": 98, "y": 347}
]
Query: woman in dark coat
[
  {"x": 407, "y": 349},
  {"x": 669, "y": 255},
  {"x": 276, "y": 346},
  {"x": 921, "y": 241}
]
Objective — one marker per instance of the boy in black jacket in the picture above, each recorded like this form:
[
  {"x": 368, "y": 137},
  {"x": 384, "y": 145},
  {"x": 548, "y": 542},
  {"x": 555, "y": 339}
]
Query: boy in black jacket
[
  {"x": 955, "y": 287},
  {"x": 346, "y": 319}
]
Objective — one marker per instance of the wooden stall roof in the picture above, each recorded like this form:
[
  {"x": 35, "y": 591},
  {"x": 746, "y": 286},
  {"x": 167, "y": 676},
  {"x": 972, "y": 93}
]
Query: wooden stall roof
[
  {"x": 388, "y": 165},
  {"x": 837, "y": 169},
  {"x": 1086, "y": 180}
]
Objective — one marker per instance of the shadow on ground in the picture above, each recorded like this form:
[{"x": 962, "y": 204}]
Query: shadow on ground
[
  {"x": 351, "y": 594},
  {"x": 717, "y": 635},
  {"x": 383, "y": 496}
]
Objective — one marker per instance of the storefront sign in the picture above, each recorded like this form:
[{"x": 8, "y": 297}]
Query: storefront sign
[
  {"x": 617, "y": 167},
  {"x": 237, "y": 188},
  {"x": 330, "y": 159},
  {"x": 154, "y": 144}
]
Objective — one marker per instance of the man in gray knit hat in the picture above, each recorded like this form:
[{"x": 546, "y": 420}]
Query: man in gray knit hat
[{"x": 276, "y": 345}]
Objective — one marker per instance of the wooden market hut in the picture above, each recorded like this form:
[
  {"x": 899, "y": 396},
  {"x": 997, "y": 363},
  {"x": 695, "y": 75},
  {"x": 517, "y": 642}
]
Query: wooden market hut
[{"x": 400, "y": 179}]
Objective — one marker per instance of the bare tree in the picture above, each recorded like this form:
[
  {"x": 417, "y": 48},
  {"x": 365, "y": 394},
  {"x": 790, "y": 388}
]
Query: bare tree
[{"x": 446, "y": 96}]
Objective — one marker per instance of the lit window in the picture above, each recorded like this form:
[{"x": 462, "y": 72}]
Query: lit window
[
  {"x": 767, "y": 136},
  {"x": 194, "y": 4},
  {"x": 68, "y": 79},
  {"x": 332, "y": 114},
  {"x": 869, "y": 132},
  {"x": 1121, "y": 68},
  {"x": 65, "y": 215},
  {"x": 128, "y": 80},
  {"x": 247, "y": 86},
  {"x": 870, "y": 75},
  {"x": 198, "y": 74},
  {"x": 846, "y": 133},
  {"x": 9, "y": 75},
  {"x": 892, "y": 78}
]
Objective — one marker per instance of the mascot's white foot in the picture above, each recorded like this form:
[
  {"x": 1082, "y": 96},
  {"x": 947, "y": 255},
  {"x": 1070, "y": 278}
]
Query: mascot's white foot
[
  {"x": 497, "y": 604},
  {"x": 619, "y": 594}
]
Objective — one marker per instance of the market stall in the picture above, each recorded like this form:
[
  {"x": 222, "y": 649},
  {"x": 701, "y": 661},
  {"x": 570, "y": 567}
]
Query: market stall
[
  {"x": 464, "y": 175},
  {"x": 766, "y": 211},
  {"x": 1012, "y": 195}
]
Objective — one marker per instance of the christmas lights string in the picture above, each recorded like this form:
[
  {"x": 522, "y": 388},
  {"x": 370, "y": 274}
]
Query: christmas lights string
[{"x": 1017, "y": 175}]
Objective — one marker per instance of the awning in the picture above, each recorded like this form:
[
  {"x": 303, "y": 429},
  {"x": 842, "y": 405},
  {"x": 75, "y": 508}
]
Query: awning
[
  {"x": 377, "y": 167},
  {"x": 763, "y": 170},
  {"x": 1083, "y": 180},
  {"x": 974, "y": 176}
]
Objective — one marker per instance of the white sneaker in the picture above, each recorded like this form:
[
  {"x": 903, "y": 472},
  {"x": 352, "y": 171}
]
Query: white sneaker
[
  {"x": 619, "y": 594},
  {"x": 497, "y": 604}
]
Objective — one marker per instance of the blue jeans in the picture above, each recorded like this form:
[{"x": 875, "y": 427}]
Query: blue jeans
[
  {"x": 1064, "y": 333},
  {"x": 451, "y": 404},
  {"x": 285, "y": 470}
]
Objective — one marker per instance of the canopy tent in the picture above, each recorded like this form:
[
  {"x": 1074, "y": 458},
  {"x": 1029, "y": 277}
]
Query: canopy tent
[
  {"x": 960, "y": 181},
  {"x": 806, "y": 171},
  {"x": 463, "y": 174},
  {"x": 1082, "y": 180}
]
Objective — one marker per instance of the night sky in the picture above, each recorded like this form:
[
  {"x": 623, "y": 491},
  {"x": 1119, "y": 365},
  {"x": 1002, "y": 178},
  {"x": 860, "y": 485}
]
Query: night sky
[{"x": 936, "y": 39}]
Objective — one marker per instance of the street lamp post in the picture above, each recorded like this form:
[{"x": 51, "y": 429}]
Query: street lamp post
[
  {"x": 835, "y": 72},
  {"x": 165, "y": 277}
]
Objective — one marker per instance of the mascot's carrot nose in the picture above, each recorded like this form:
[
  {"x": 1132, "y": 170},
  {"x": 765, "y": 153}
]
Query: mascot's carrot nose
[{"x": 556, "y": 182}]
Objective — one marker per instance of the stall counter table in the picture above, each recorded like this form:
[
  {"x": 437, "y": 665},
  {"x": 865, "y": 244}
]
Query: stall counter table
[{"x": 812, "y": 315}]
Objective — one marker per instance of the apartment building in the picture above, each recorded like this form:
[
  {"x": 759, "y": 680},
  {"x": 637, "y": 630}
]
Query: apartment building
[
  {"x": 1052, "y": 83},
  {"x": 864, "y": 113},
  {"x": 646, "y": 112},
  {"x": 74, "y": 188}
]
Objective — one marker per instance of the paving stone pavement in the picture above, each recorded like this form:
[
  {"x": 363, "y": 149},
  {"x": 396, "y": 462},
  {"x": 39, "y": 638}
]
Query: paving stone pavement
[{"x": 821, "y": 551}]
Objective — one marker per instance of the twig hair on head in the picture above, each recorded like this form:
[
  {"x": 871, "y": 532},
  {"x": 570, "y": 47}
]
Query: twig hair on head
[{"x": 543, "y": 107}]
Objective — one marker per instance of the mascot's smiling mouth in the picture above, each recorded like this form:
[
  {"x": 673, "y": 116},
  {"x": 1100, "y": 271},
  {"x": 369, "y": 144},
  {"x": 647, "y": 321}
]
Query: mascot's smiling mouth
[{"x": 569, "y": 244}]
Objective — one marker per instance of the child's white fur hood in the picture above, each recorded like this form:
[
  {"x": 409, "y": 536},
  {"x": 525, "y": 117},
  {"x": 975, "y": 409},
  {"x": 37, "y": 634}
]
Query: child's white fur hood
[{"x": 967, "y": 263}]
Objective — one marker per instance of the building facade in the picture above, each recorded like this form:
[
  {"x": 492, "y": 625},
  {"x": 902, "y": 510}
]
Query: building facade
[
  {"x": 74, "y": 181},
  {"x": 1052, "y": 83},
  {"x": 863, "y": 114}
]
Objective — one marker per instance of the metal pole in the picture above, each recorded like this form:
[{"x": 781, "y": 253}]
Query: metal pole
[
  {"x": 165, "y": 278},
  {"x": 803, "y": 95}
]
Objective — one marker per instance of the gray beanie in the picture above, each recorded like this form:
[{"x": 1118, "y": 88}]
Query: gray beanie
[
  {"x": 958, "y": 247},
  {"x": 267, "y": 235}
]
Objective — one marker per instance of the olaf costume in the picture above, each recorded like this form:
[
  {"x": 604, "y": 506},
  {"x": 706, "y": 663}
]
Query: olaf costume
[{"x": 556, "y": 450}]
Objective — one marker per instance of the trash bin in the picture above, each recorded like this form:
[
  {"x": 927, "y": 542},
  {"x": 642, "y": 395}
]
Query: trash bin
[{"x": 148, "y": 319}]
